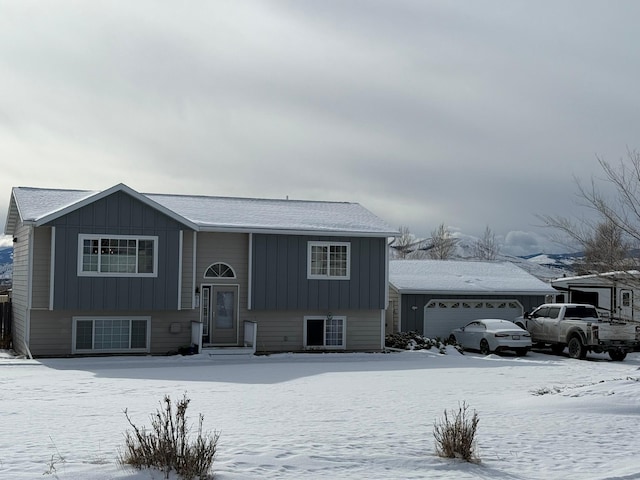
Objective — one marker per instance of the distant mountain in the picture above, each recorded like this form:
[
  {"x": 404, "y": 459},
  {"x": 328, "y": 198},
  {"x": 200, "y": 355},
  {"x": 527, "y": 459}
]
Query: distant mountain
[
  {"x": 563, "y": 261},
  {"x": 6, "y": 263},
  {"x": 6, "y": 255},
  {"x": 543, "y": 266}
]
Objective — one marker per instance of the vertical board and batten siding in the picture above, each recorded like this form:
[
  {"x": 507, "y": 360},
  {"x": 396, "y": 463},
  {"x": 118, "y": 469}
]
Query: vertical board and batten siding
[
  {"x": 117, "y": 214},
  {"x": 413, "y": 320},
  {"x": 20, "y": 288},
  {"x": 284, "y": 331},
  {"x": 187, "y": 286},
  {"x": 41, "y": 279},
  {"x": 279, "y": 275}
]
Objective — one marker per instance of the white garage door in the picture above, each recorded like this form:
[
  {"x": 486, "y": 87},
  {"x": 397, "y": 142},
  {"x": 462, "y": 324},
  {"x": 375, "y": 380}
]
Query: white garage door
[{"x": 442, "y": 316}]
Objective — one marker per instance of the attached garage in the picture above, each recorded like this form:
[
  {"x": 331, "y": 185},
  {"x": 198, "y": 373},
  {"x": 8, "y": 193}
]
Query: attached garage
[
  {"x": 432, "y": 297},
  {"x": 440, "y": 314}
]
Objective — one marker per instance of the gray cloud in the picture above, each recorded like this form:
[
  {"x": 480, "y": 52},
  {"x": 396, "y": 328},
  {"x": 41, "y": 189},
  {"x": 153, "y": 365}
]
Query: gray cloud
[{"x": 468, "y": 114}]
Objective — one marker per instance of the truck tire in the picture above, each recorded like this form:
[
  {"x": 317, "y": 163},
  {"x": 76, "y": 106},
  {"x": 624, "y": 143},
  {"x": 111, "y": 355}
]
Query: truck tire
[
  {"x": 576, "y": 348},
  {"x": 617, "y": 355}
]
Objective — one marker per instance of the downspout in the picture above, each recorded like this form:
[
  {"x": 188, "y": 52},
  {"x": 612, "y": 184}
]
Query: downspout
[
  {"x": 193, "y": 269},
  {"x": 180, "y": 253},
  {"x": 386, "y": 296},
  {"x": 382, "y": 329},
  {"x": 52, "y": 266},
  {"x": 249, "y": 273}
]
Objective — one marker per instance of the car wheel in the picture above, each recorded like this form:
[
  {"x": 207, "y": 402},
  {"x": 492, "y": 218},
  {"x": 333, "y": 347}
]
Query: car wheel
[
  {"x": 557, "y": 348},
  {"x": 576, "y": 348},
  {"x": 484, "y": 347},
  {"x": 617, "y": 355},
  {"x": 521, "y": 352}
]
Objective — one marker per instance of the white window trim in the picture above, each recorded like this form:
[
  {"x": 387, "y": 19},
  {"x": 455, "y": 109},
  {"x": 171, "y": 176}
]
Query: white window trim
[
  {"x": 82, "y": 237},
  {"x": 325, "y": 347},
  {"x": 75, "y": 321},
  {"x": 233, "y": 277},
  {"x": 328, "y": 275}
]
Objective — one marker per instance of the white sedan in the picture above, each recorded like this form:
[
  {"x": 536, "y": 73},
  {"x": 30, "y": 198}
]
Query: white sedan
[{"x": 492, "y": 335}]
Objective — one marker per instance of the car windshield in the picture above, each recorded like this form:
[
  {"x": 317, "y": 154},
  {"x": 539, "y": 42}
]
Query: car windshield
[{"x": 580, "y": 312}]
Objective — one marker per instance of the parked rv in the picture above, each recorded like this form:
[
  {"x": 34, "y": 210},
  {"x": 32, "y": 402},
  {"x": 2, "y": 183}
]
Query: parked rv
[{"x": 614, "y": 294}]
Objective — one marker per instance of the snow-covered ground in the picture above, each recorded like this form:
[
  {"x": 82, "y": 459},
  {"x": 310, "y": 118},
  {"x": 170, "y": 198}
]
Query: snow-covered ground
[{"x": 331, "y": 416}]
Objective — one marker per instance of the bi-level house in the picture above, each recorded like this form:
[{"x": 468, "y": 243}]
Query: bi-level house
[{"x": 118, "y": 271}]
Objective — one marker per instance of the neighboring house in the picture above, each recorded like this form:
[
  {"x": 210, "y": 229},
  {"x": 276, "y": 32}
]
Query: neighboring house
[
  {"x": 118, "y": 271},
  {"x": 614, "y": 294},
  {"x": 433, "y": 297}
]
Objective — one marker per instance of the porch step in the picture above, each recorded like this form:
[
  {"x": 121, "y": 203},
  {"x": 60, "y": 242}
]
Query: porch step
[{"x": 228, "y": 350}]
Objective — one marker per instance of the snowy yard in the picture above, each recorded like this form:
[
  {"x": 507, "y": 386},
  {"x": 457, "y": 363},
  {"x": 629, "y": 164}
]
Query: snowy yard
[{"x": 333, "y": 416}]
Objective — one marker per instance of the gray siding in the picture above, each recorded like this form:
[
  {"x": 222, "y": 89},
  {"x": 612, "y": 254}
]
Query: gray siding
[
  {"x": 413, "y": 320},
  {"x": 41, "y": 280},
  {"x": 52, "y": 330},
  {"x": 117, "y": 214},
  {"x": 283, "y": 331},
  {"x": 188, "y": 287},
  {"x": 392, "y": 315},
  {"x": 20, "y": 293},
  {"x": 279, "y": 275}
]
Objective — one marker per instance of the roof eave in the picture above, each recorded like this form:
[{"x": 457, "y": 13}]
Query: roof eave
[
  {"x": 286, "y": 231},
  {"x": 413, "y": 291}
]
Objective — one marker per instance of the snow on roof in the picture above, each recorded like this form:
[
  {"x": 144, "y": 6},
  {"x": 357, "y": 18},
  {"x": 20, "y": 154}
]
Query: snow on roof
[
  {"x": 35, "y": 203},
  {"x": 597, "y": 278},
  {"x": 463, "y": 277},
  {"x": 226, "y": 213}
]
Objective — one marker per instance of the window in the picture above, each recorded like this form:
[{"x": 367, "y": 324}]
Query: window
[
  {"x": 219, "y": 270},
  {"x": 121, "y": 255},
  {"x": 329, "y": 260},
  {"x": 626, "y": 298},
  {"x": 325, "y": 332},
  {"x": 114, "y": 334}
]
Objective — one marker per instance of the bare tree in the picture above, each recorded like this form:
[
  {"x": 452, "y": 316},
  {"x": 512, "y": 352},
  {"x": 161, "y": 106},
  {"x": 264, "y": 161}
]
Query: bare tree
[
  {"x": 404, "y": 243},
  {"x": 441, "y": 245},
  {"x": 606, "y": 240},
  {"x": 486, "y": 248},
  {"x": 604, "y": 251}
]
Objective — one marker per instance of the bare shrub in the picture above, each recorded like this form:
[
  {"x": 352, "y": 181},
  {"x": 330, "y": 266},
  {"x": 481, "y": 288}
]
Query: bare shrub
[
  {"x": 167, "y": 446},
  {"x": 455, "y": 434}
]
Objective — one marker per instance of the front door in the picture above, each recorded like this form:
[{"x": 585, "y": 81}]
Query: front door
[
  {"x": 625, "y": 304},
  {"x": 223, "y": 321}
]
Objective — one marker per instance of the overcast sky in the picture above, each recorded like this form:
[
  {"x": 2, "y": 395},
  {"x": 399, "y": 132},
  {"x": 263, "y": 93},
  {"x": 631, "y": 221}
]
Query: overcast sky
[{"x": 467, "y": 113}]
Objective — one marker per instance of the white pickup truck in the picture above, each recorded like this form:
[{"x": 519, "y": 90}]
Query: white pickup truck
[{"x": 578, "y": 327}]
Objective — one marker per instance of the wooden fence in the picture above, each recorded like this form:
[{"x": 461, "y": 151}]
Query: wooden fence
[{"x": 5, "y": 325}]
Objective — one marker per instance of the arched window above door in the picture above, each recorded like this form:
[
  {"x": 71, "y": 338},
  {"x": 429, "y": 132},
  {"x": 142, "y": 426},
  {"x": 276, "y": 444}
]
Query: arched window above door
[{"x": 219, "y": 270}]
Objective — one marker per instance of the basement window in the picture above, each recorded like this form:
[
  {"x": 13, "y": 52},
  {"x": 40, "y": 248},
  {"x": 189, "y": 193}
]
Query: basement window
[
  {"x": 325, "y": 333},
  {"x": 111, "y": 335}
]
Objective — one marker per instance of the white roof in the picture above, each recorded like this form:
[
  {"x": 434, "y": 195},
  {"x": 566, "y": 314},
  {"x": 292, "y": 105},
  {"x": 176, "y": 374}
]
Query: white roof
[
  {"x": 209, "y": 213},
  {"x": 607, "y": 278},
  {"x": 463, "y": 277}
]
